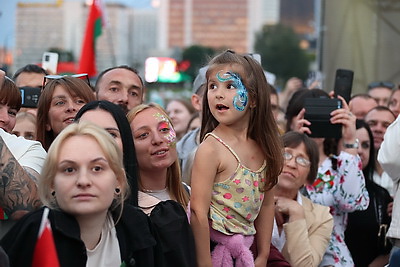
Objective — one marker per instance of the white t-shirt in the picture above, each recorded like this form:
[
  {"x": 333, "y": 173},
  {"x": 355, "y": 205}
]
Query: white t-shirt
[
  {"x": 106, "y": 253},
  {"x": 28, "y": 153}
]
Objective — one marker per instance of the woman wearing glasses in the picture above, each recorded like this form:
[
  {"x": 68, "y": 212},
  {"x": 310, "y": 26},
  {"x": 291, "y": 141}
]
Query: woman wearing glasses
[
  {"x": 62, "y": 97},
  {"x": 302, "y": 229},
  {"x": 340, "y": 182}
]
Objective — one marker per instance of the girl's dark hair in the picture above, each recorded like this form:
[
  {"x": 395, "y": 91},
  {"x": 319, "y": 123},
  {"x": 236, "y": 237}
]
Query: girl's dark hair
[
  {"x": 129, "y": 153},
  {"x": 294, "y": 139},
  {"x": 369, "y": 169},
  {"x": 262, "y": 127}
]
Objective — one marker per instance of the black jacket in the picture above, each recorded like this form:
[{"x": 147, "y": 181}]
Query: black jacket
[
  {"x": 174, "y": 234},
  {"x": 361, "y": 235},
  {"x": 134, "y": 232}
]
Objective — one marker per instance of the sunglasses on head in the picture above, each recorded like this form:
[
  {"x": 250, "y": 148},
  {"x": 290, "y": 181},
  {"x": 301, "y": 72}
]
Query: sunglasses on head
[
  {"x": 83, "y": 76},
  {"x": 389, "y": 85}
]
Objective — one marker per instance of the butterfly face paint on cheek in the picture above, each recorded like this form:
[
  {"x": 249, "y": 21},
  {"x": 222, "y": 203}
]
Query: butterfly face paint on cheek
[
  {"x": 241, "y": 97},
  {"x": 164, "y": 124}
]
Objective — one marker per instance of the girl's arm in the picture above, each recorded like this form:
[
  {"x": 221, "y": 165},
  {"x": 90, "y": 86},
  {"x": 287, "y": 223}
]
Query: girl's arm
[
  {"x": 264, "y": 224},
  {"x": 205, "y": 168}
]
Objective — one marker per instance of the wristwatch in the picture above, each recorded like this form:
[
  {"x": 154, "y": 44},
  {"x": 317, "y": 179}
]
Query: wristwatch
[{"x": 355, "y": 145}]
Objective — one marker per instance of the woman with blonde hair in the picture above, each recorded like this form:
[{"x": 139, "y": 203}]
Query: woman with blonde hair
[
  {"x": 84, "y": 196},
  {"x": 155, "y": 144},
  {"x": 25, "y": 125},
  {"x": 162, "y": 195}
]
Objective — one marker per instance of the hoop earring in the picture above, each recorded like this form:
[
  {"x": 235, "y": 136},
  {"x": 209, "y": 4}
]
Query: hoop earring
[{"x": 117, "y": 191}]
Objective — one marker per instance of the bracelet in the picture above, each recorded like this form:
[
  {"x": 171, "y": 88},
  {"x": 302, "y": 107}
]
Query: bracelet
[{"x": 355, "y": 145}]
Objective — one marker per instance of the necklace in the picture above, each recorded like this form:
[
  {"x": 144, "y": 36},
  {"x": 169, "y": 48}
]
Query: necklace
[{"x": 154, "y": 191}]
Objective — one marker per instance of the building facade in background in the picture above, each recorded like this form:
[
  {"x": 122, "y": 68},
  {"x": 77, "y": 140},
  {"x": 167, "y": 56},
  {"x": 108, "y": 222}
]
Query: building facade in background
[
  {"x": 128, "y": 38},
  {"x": 218, "y": 24}
]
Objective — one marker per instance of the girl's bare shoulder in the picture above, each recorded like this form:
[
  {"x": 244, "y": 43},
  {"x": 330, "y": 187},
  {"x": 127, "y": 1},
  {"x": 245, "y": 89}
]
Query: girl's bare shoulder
[{"x": 209, "y": 146}]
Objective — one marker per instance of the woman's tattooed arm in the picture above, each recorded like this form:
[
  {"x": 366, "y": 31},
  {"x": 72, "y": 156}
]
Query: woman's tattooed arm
[{"x": 18, "y": 185}]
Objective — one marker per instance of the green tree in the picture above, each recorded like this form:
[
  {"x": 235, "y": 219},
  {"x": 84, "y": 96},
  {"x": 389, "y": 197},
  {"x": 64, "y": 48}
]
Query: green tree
[
  {"x": 281, "y": 54},
  {"x": 198, "y": 56}
]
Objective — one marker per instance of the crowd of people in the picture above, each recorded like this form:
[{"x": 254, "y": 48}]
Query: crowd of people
[{"x": 233, "y": 176}]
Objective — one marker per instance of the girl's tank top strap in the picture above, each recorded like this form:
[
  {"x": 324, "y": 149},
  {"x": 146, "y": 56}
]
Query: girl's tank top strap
[{"x": 225, "y": 144}]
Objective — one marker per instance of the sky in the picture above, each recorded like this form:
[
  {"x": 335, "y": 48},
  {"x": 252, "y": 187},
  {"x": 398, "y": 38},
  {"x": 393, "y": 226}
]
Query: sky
[{"x": 8, "y": 7}]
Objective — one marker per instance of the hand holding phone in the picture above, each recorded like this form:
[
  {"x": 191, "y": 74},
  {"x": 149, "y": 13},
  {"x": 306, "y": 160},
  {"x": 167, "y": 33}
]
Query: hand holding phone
[
  {"x": 50, "y": 62},
  {"x": 318, "y": 113}
]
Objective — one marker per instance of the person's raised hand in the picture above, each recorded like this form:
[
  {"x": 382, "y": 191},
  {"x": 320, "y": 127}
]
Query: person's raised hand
[
  {"x": 300, "y": 124},
  {"x": 293, "y": 84},
  {"x": 347, "y": 119}
]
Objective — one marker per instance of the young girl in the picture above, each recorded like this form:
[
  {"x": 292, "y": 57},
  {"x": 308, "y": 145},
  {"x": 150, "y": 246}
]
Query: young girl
[{"x": 236, "y": 165}]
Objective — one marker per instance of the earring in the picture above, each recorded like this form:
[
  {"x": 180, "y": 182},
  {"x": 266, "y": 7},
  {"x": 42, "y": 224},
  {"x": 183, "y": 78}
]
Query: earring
[
  {"x": 117, "y": 191},
  {"x": 53, "y": 193}
]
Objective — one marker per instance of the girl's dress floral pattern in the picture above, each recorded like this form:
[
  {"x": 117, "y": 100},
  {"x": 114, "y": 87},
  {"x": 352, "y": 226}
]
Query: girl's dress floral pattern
[{"x": 343, "y": 190}]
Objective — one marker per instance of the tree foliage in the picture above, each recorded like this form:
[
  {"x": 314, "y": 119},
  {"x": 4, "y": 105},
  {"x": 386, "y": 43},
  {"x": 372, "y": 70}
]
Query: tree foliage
[
  {"x": 280, "y": 51},
  {"x": 198, "y": 56}
]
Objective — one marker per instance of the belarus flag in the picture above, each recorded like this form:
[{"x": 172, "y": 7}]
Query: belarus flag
[
  {"x": 45, "y": 254},
  {"x": 87, "y": 62}
]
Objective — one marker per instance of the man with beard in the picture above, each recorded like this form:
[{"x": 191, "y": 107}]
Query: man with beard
[{"x": 120, "y": 85}]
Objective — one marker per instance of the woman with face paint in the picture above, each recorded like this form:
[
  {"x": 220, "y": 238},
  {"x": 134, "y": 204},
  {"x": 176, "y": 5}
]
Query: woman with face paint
[
  {"x": 162, "y": 195},
  {"x": 231, "y": 196},
  {"x": 155, "y": 145}
]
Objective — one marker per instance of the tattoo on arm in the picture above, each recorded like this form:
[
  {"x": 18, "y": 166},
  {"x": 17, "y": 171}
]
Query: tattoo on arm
[{"x": 18, "y": 185}]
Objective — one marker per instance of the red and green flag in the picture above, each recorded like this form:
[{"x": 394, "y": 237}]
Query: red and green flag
[
  {"x": 45, "y": 253},
  {"x": 87, "y": 62}
]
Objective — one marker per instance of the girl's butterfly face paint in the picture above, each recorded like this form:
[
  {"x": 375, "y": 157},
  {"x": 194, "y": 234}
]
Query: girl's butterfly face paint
[
  {"x": 241, "y": 98},
  {"x": 165, "y": 128}
]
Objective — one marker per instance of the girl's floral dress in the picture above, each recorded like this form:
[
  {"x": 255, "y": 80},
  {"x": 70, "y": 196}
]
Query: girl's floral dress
[{"x": 343, "y": 190}]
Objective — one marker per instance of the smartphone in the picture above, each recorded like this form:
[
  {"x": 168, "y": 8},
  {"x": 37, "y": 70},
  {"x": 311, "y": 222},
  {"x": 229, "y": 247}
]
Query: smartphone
[
  {"x": 30, "y": 96},
  {"x": 343, "y": 83},
  {"x": 318, "y": 113},
  {"x": 50, "y": 62}
]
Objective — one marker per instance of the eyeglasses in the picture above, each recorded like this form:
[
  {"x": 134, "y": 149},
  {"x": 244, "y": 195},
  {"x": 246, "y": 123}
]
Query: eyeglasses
[
  {"x": 299, "y": 160},
  {"x": 55, "y": 77},
  {"x": 389, "y": 85}
]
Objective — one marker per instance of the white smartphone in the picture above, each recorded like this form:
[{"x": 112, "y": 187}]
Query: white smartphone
[{"x": 50, "y": 62}]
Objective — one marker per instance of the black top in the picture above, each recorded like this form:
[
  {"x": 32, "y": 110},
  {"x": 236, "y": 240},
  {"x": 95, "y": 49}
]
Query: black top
[
  {"x": 138, "y": 247},
  {"x": 361, "y": 235}
]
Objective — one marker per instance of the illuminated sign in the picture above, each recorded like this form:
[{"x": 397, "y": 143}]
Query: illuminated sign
[{"x": 162, "y": 69}]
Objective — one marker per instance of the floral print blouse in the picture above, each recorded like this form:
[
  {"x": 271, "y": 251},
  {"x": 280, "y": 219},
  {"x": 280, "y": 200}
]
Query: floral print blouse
[{"x": 344, "y": 191}]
